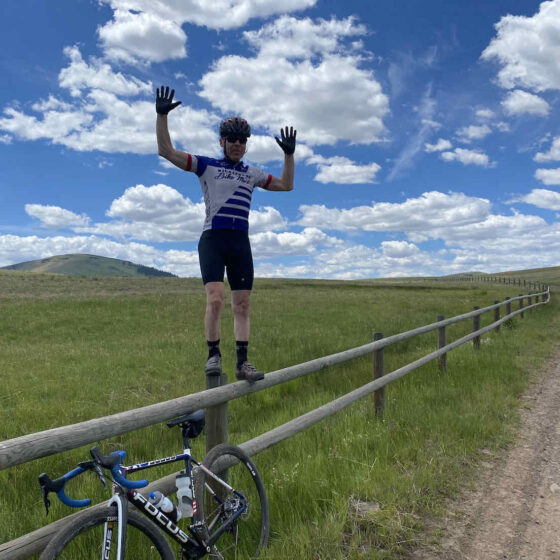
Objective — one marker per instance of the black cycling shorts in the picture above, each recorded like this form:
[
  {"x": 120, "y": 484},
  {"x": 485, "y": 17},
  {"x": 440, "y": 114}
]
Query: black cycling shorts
[{"x": 230, "y": 250}]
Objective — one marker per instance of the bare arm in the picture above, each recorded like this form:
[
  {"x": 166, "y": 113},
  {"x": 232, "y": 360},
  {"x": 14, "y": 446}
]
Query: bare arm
[
  {"x": 288, "y": 145},
  {"x": 165, "y": 146},
  {"x": 164, "y": 104},
  {"x": 286, "y": 181}
]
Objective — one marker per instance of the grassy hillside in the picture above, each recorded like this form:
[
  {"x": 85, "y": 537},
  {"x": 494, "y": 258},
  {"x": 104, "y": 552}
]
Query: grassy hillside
[
  {"x": 87, "y": 265},
  {"x": 550, "y": 275},
  {"x": 72, "y": 349}
]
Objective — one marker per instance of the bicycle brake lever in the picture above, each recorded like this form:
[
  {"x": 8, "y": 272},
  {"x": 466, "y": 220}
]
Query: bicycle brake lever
[
  {"x": 46, "y": 498},
  {"x": 99, "y": 472}
]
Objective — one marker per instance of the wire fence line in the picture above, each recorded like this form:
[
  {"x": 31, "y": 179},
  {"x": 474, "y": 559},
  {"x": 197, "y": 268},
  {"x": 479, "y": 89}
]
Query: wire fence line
[{"x": 26, "y": 448}]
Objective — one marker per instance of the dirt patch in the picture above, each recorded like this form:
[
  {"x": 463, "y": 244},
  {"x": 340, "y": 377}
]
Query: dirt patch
[{"x": 514, "y": 512}]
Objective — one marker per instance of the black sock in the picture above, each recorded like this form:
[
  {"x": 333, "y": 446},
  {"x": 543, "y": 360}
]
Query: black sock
[
  {"x": 213, "y": 348},
  {"x": 241, "y": 347}
]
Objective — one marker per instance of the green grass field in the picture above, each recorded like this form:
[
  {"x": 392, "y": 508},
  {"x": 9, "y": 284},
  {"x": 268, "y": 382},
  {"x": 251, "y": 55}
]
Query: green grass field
[{"x": 72, "y": 349}]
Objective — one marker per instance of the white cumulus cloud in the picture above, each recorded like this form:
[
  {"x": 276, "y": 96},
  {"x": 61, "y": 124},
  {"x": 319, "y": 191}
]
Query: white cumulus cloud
[
  {"x": 80, "y": 75},
  {"x": 548, "y": 176},
  {"x": 440, "y": 146},
  {"x": 301, "y": 90},
  {"x": 467, "y": 157},
  {"x": 431, "y": 210},
  {"x": 343, "y": 170},
  {"x": 485, "y": 114},
  {"x": 528, "y": 49},
  {"x": 520, "y": 102},
  {"x": 54, "y": 217},
  {"x": 399, "y": 249},
  {"x": 269, "y": 244},
  {"x": 473, "y": 132},
  {"x": 553, "y": 153},
  {"x": 218, "y": 14},
  {"x": 542, "y": 198},
  {"x": 141, "y": 36}
]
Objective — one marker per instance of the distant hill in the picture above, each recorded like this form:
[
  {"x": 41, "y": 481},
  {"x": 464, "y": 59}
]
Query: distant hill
[
  {"x": 549, "y": 275},
  {"x": 87, "y": 265},
  {"x": 463, "y": 274}
]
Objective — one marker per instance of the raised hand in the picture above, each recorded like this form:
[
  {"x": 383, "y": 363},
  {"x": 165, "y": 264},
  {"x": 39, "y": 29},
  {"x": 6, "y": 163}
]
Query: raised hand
[
  {"x": 288, "y": 140},
  {"x": 164, "y": 100}
]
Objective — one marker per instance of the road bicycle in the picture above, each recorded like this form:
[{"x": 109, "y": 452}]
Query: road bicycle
[{"x": 230, "y": 511}]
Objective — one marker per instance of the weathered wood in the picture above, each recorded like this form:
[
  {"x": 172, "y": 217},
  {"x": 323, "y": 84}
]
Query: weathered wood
[
  {"x": 476, "y": 328},
  {"x": 216, "y": 416},
  {"x": 508, "y": 306},
  {"x": 521, "y": 305},
  {"x": 378, "y": 372},
  {"x": 32, "y": 543},
  {"x": 442, "y": 341},
  {"x": 530, "y": 303},
  {"x": 497, "y": 315},
  {"x": 42, "y": 444}
]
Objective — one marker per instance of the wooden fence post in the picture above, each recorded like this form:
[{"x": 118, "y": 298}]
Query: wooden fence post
[
  {"x": 529, "y": 303},
  {"x": 216, "y": 416},
  {"x": 537, "y": 298},
  {"x": 476, "y": 327},
  {"x": 442, "y": 341},
  {"x": 497, "y": 316},
  {"x": 521, "y": 306},
  {"x": 378, "y": 372},
  {"x": 508, "y": 306}
]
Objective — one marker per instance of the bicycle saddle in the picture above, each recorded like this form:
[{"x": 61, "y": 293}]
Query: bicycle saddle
[{"x": 193, "y": 423}]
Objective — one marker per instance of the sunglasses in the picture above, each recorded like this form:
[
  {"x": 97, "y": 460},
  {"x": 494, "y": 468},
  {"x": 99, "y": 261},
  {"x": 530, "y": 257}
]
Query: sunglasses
[{"x": 232, "y": 138}]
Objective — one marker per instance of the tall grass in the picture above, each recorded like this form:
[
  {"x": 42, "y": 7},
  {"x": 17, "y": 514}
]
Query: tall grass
[{"x": 70, "y": 351}]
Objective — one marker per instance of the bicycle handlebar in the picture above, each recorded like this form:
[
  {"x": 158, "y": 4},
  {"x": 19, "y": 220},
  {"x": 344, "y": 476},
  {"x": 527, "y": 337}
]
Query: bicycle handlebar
[
  {"x": 57, "y": 486},
  {"x": 111, "y": 462}
]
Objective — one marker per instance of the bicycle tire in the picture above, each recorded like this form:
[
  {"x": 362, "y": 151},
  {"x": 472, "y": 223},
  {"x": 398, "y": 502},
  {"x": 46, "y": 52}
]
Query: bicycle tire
[
  {"x": 84, "y": 538},
  {"x": 249, "y": 534}
]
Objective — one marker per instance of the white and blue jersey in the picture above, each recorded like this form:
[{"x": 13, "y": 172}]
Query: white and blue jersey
[{"x": 227, "y": 189}]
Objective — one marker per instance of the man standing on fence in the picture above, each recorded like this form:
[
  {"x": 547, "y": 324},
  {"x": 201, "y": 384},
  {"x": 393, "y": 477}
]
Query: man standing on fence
[{"x": 227, "y": 185}]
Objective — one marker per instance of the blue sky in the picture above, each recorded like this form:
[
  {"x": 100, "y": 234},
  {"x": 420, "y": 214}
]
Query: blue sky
[{"x": 428, "y": 132}]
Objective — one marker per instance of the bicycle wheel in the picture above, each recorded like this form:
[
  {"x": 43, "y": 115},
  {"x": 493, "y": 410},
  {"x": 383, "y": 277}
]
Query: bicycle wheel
[
  {"x": 216, "y": 506},
  {"x": 84, "y": 538}
]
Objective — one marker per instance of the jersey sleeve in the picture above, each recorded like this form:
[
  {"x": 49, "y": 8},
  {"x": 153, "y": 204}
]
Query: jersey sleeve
[
  {"x": 196, "y": 164},
  {"x": 262, "y": 179}
]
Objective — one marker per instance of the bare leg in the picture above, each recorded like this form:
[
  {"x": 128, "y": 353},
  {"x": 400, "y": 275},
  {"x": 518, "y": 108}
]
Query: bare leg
[
  {"x": 240, "y": 308},
  {"x": 215, "y": 294}
]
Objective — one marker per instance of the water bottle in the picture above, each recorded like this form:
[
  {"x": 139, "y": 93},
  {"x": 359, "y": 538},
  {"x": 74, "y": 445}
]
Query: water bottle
[
  {"x": 184, "y": 494},
  {"x": 166, "y": 505}
]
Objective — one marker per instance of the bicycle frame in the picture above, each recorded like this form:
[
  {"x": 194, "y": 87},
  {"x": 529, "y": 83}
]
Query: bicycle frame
[
  {"x": 198, "y": 538},
  {"x": 187, "y": 542}
]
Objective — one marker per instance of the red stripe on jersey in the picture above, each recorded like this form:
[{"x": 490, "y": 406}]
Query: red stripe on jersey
[
  {"x": 189, "y": 163},
  {"x": 268, "y": 180}
]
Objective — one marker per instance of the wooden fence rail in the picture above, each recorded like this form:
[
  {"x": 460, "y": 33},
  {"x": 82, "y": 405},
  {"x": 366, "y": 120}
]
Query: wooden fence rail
[
  {"x": 33, "y": 446},
  {"x": 49, "y": 442}
]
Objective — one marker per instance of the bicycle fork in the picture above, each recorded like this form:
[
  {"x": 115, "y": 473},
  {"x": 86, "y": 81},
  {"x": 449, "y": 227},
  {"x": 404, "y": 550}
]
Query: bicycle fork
[{"x": 121, "y": 518}]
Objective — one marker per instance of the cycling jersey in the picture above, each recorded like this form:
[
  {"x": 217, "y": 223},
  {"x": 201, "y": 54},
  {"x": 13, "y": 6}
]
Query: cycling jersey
[{"x": 227, "y": 188}]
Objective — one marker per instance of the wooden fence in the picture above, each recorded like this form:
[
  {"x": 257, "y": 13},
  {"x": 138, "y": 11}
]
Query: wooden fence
[{"x": 34, "y": 446}]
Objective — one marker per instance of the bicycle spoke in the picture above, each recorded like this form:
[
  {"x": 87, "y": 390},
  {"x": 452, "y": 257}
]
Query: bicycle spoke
[
  {"x": 240, "y": 519},
  {"x": 96, "y": 537}
]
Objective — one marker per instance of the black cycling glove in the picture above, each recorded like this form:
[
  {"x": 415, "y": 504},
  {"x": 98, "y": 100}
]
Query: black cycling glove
[
  {"x": 164, "y": 100},
  {"x": 288, "y": 141}
]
